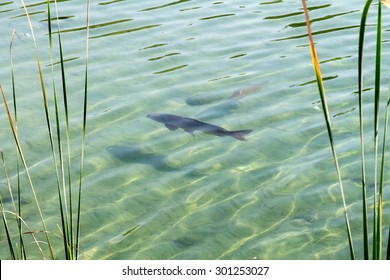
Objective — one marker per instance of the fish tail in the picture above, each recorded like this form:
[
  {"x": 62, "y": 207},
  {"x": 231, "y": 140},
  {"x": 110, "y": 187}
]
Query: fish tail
[{"x": 239, "y": 134}]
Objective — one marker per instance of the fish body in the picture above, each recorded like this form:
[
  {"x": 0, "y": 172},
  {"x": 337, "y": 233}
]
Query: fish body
[{"x": 173, "y": 122}]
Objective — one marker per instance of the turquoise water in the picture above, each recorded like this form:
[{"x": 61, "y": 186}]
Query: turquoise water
[{"x": 274, "y": 196}]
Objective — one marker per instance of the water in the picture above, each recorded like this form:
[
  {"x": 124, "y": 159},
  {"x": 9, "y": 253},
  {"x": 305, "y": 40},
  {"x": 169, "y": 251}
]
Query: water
[{"x": 197, "y": 196}]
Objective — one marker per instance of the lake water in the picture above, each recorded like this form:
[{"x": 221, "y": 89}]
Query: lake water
[{"x": 274, "y": 196}]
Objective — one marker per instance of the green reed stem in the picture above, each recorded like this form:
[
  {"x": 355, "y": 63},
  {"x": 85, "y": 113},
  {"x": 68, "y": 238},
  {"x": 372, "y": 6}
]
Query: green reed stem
[
  {"x": 360, "y": 84},
  {"x": 84, "y": 127},
  {"x": 67, "y": 131},
  {"x": 22, "y": 247},
  {"x": 376, "y": 242},
  {"x": 382, "y": 179},
  {"x": 327, "y": 121},
  {"x": 61, "y": 198}
]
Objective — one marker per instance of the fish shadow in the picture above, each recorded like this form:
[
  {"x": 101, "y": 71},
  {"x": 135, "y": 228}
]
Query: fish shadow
[{"x": 137, "y": 155}]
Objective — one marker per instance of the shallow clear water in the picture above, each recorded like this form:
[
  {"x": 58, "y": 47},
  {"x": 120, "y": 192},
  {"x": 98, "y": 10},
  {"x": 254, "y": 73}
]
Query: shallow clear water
[{"x": 274, "y": 196}]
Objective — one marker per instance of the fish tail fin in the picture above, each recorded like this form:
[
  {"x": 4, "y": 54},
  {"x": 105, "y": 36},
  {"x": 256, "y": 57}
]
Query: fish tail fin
[{"x": 239, "y": 134}]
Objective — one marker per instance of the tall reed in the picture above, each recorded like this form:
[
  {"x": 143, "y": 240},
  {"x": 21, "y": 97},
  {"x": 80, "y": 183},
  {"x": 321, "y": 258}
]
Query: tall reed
[
  {"x": 377, "y": 203},
  {"x": 68, "y": 210}
]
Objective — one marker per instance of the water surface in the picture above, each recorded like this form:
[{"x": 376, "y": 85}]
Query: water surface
[{"x": 274, "y": 196}]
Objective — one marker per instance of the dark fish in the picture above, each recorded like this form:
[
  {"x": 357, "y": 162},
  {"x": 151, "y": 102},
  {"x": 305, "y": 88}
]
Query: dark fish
[{"x": 173, "y": 122}]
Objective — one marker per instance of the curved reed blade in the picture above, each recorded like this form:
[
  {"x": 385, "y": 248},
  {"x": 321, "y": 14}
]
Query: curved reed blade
[
  {"x": 321, "y": 89},
  {"x": 360, "y": 85},
  {"x": 17, "y": 142},
  {"x": 45, "y": 103}
]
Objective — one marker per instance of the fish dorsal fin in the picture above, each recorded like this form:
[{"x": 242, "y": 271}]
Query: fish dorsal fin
[{"x": 171, "y": 127}]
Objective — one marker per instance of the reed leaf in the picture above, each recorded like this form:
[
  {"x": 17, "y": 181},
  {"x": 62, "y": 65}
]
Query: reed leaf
[
  {"x": 84, "y": 129},
  {"x": 376, "y": 242},
  {"x": 65, "y": 99},
  {"x": 321, "y": 90},
  {"x": 382, "y": 180},
  {"x": 66, "y": 215},
  {"x": 360, "y": 90},
  {"x": 22, "y": 247}
]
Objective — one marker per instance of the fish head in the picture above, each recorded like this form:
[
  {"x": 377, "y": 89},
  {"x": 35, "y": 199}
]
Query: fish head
[{"x": 156, "y": 116}]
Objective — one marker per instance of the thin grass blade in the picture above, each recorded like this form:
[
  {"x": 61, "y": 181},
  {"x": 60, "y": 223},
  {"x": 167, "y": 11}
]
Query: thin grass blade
[
  {"x": 376, "y": 242},
  {"x": 321, "y": 89},
  {"x": 62, "y": 198},
  {"x": 21, "y": 247},
  {"x": 382, "y": 180},
  {"x": 7, "y": 231},
  {"x": 67, "y": 130},
  {"x": 363, "y": 168},
  {"x": 77, "y": 248},
  {"x": 26, "y": 170}
]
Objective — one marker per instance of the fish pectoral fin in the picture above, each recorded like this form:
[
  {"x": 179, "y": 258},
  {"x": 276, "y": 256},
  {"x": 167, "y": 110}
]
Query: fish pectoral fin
[
  {"x": 189, "y": 130},
  {"x": 171, "y": 126}
]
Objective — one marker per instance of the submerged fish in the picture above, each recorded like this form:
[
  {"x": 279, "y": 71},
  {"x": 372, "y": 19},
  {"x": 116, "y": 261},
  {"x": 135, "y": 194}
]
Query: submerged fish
[
  {"x": 173, "y": 122},
  {"x": 248, "y": 90}
]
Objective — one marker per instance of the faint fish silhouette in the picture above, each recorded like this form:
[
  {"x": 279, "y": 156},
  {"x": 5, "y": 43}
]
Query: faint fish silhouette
[
  {"x": 248, "y": 90},
  {"x": 135, "y": 154},
  {"x": 213, "y": 97},
  {"x": 231, "y": 104}
]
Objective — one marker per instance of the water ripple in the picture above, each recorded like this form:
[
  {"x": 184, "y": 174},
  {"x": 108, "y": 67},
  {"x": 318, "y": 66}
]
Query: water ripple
[
  {"x": 164, "y": 6},
  {"x": 121, "y": 32},
  {"x": 217, "y": 16}
]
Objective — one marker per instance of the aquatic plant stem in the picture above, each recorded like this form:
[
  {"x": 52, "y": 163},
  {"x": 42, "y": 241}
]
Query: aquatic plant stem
[
  {"x": 321, "y": 89},
  {"x": 61, "y": 197},
  {"x": 19, "y": 211},
  {"x": 361, "y": 125},
  {"x": 84, "y": 130},
  {"x": 382, "y": 180},
  {"x": 376, "y": 242},
  {"x": 67, "y": 131}
]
